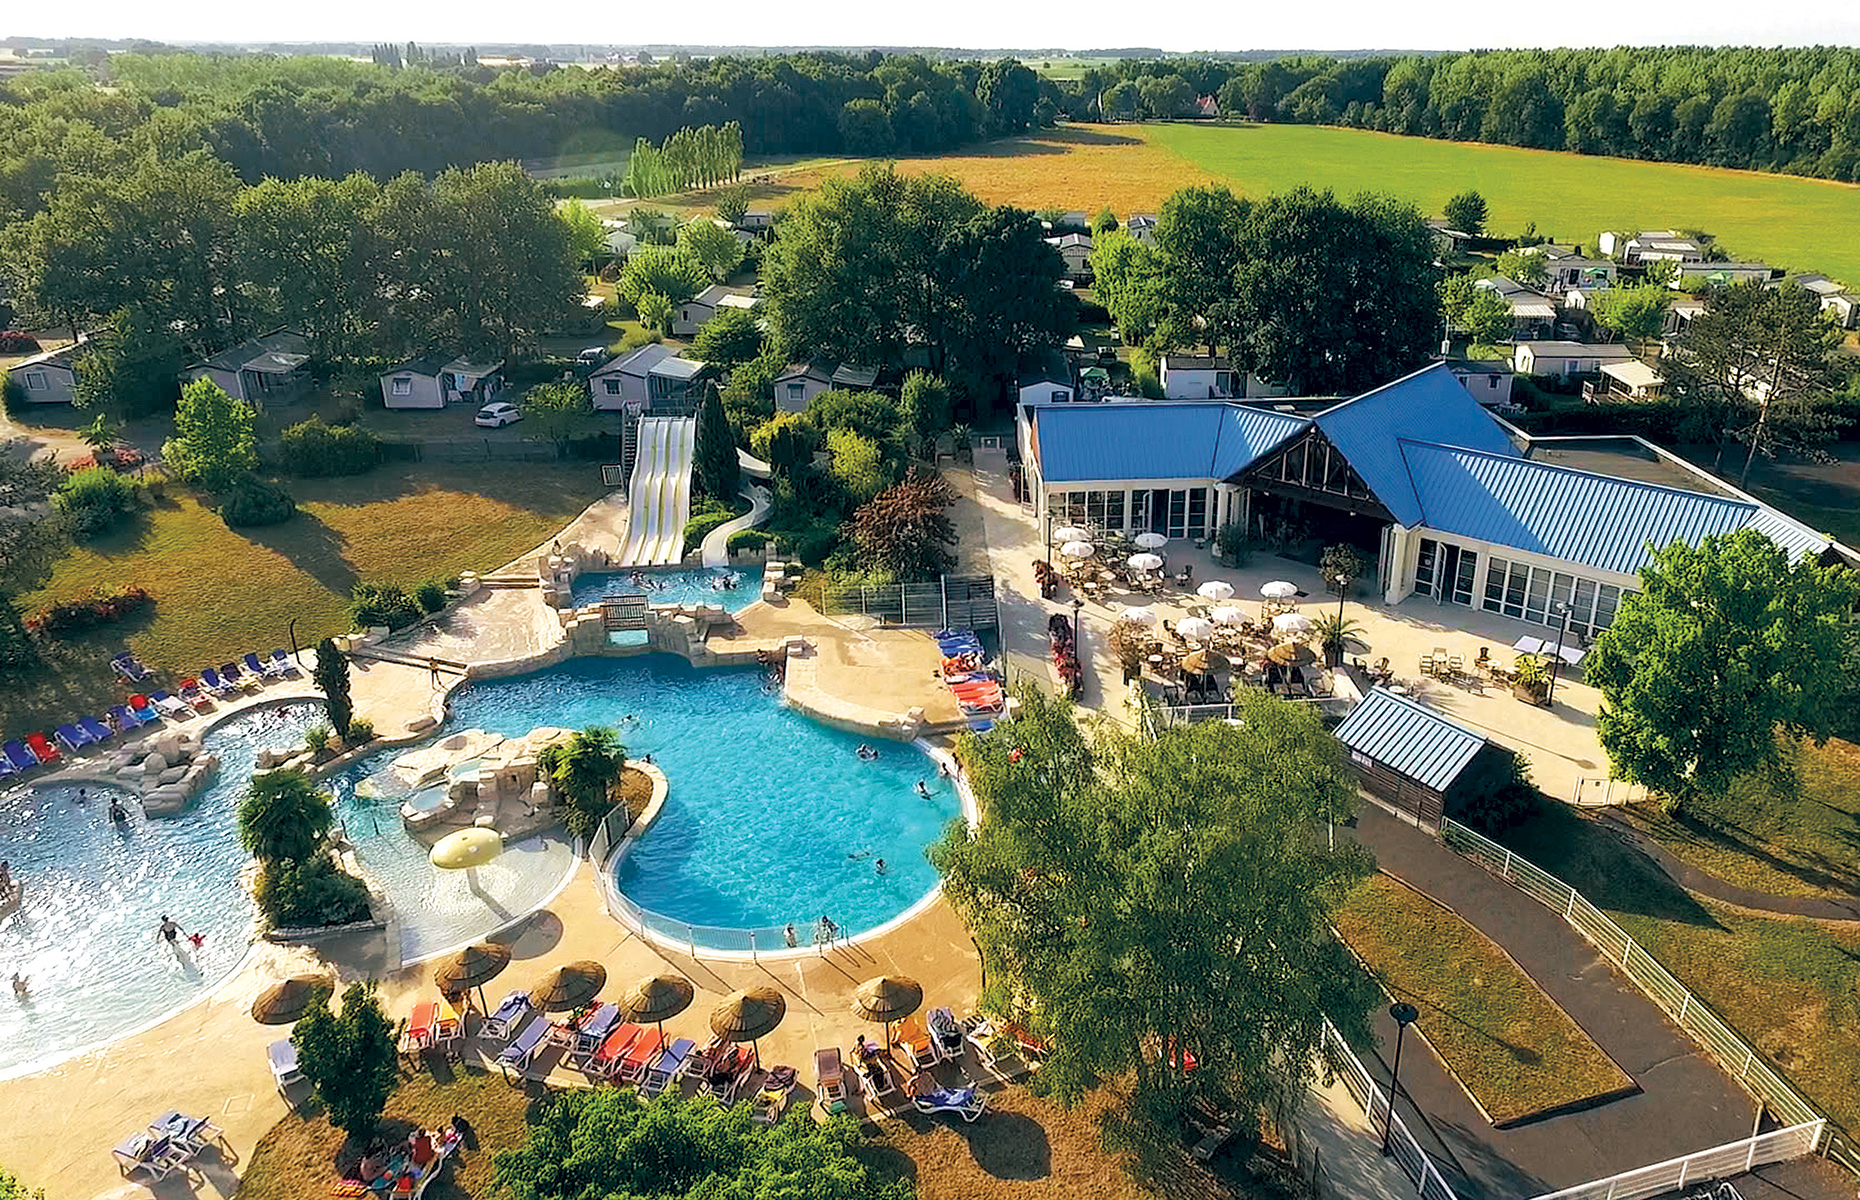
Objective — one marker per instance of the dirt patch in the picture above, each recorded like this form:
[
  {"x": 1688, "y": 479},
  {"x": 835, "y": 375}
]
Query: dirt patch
[{"x": 635, "y": 791}]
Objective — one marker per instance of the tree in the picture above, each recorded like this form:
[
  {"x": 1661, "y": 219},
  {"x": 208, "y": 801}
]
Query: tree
[
  {"x": 558, "y": 413},
  {"x": 1725, "y": 645},
  {"x": 351, "y": 1059},
  {"x": 285, "y": 817},
  {"x": 1756, "y": 367},
  {"x": 584, "y": 770},
  {"x": 33, "y": 537},
  {"x": 1660, "y": 271},
  {"x": 923, "y": 408},
  {"x": 858, "y": 465},
  {"x": 1198, "y": 244},
  {"x": 905, "y": 530},
  {"x": 1007, "y": 92},
  {"x": 668, "y": 272},
  {"x": 732, "y": 204},
  {"x": 101, "y": 436},
  {"x": 729, "y": 339},
  {"x": 1341, "y": 559},
  {"x": 1104, "y": 222},
  {"x": 1523, "y": 266},
  {"x": 1634, "y": 314},
  {"x": 711, "y": 246},
  {"x": 1334, "y": 298},
  {"x": 305, "y": 248},
  {"x": 332, "y": 679},
  {"x": 130, "y": 369},
  {"x": 1466, "y": 212},
  {"x": 1128, "y": 279},
  {"x": 1487, "y": 318},
  {"x": 215, "y": 442},
  {"x": 506, "y": 270},
  {"x": 994, "y": 297},
  {"x": 1139, "y": 901},
  {"x": 865, "y": 128},
  {"x": 609, "y": 1142},
  {"x": 715, "y": 467},
  {"x": 587, "y": 237}
]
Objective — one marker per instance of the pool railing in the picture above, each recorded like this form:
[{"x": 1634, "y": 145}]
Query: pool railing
[{"x": 698, "y": 940}]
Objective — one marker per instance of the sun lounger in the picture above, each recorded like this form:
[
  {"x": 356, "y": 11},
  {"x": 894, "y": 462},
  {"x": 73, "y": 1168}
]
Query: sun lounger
[
  {"x": 197, "y": 699},
  {"x": 196, "y": 1133},
  {"x": 1030, "y": 1046},
  {"x": 880, "y": 1074},
  {"x": 43, "y": 750},
  {"x": 211, "y": 680},
  {"x": 124, "y": 718},
  {"x": 73, "y": 738},
  {"x": 522, "y": 1051},
  {"x": 639, "y": 1054},
  {"x": 772, "y": 1097},
  {"x": 281, "y": 663},
  {"x": 259, "y": 670},
  {"x": 606, "y": 1057},
  {"x": 591, "y": 1034},
  {"x": 979, "y": 1032},
  {"x": 669, "y": 1065},
  {"x": 699, "y": 1063},
  {"x": 7, "y": 768},
  {"x": 127, "y": 666},
  {"x": 158, "y": 1157},
  {"x": 499, "y": 1024},
  {"x": 144, "y": 708},
  {"x": 172, "y": 707},
  {"x": 450, "y": 1025},
  {"x": 917, "y": 1043},
  {"x": 231, "y": 673},
  {"x": 99, "y": 732},
  {"x": 965, "y": 1102},
  {"x": 283, "y": 1059},
  {"x": 418, "y": 1035},
  {"x": 18, "y": 756},
  {"x": 729, "y": 1074},
  {"x": 830, "y": 1080},
  {"x": 947, "y": 1033}
]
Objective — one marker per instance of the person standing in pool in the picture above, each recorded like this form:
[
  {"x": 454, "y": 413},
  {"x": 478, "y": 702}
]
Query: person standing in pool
[
  {"x": 788, "y": 936},
  {"x": 169, "y": 930},
  {"x": 118, "y": 814},
  {"x": 922, "y": 790},
  {"x": 83, "y": 796}
]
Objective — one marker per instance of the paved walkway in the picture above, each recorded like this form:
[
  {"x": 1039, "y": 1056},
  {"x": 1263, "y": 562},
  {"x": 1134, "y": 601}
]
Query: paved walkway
[
  {"x": 1333, "y": 1128},
  {"x": 1686, "y": 1103},
  {"x": 1820, "y": 908}
]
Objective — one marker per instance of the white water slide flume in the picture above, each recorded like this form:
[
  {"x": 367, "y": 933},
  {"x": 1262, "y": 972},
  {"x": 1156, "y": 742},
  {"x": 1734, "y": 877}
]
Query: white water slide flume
[{"x": 660, "y": 501}]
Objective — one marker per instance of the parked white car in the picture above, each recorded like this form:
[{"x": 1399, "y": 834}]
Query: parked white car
[{"x": 496, "y": 416}]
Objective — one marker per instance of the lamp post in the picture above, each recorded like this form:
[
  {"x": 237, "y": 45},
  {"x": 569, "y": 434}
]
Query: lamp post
[
  {"x": 1343, "y": 589},
  {"x": 1078, "y": 632},
  {"x": 1556, "y": 660},
  {"x": 1405, "y": 1015}
]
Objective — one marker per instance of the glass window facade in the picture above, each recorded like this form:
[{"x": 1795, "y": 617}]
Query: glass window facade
[{"x": 1530, "y": 593}]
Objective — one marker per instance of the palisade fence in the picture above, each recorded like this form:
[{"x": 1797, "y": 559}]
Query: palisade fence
[
  {"x": 1720, "y": 1162},
  {"x": 1356, "y": 1079},
  {"x": 1738, "y": 1058}
]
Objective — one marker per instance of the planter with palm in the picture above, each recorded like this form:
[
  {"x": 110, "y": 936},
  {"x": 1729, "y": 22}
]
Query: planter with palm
[
  {"x": 1333, "y": 632},
  {"x": 1530, "y": 679}
]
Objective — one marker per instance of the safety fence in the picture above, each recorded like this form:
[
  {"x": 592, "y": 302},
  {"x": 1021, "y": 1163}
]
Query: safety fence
[
  {"x": 1356, "y": 1079},
  {"x": 1738, "y": 1058},
  {"x": 1720, "y": 1162},
  {"x": 952, "y": 602}
]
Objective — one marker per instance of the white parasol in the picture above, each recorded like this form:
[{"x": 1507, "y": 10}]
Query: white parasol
[
  {"x": 1144, "y": 561},
  {"x": 1226, "y": 614},
  {"x": 1216, "y": 590},
  {"x": 1076, "y": 550},
  {"x": 1071, "y": 533},
  {"x": 1138, "y": 615},
  {"x": 1195, "y": 629},
  {"x": 1151, "y": 541},
  {"x": 1278, "y": 589},
  {"x": 1290, "y": 623}
]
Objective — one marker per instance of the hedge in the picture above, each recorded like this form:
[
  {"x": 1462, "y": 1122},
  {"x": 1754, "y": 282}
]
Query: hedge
[
  {"x": 88, "y": 609},
  {"x": 748, "y": 539}
]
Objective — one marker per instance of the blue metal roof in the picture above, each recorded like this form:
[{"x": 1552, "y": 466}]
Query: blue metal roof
[
  {"x": 1577, "y": 516},
  {"x": 1795, "y": 538},
  {"x": 1407, "y": 736},
  {"x": 1248, "y": 433},
  {"x": 1080, "y": 442},
  {"x": 1427, "y": 406}
]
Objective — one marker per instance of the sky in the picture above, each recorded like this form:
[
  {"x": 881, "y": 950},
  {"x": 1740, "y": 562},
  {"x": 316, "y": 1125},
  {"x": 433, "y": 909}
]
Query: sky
[{"x": 1335, "y": 25}]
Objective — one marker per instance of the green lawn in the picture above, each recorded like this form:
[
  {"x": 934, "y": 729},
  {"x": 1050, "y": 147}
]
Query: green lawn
[
  {"x": 220, "y": 592},
  {"x": 1512, "y": 1047},
  {"x": 1790, "y": 987},
  {"x": 1782, "y": 220},
  {"x": 1766, "y": 835}
]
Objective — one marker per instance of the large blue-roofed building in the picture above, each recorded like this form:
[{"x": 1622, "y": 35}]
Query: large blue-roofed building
[{"x": 1415, "y": 472}]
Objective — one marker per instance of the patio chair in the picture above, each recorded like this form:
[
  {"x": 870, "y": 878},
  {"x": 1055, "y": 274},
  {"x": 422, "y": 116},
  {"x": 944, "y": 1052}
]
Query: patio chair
[
  {"x": 98, "y": 731},
  {"x": 450, "y": 1025},
  {"x": 918, "y": 1045},
  {"x": 282, "y": 1058},
  {"x": 731, "y": 1078},
  {"x": 965, "y": 1102},
  {"x": 640, "y": 1055},
  {"x": 830, "y": 1080},
  {"x": 125, "y": 664},
  {"x": 521, "y": 1052},
  {"x": 668, "y": 1066},
  {"x": 418, "y": 1035},
  {"x": 498, "y": 1024},
  {"x": 772, "y": 1098},
  {"x": 73, "y": 738}
]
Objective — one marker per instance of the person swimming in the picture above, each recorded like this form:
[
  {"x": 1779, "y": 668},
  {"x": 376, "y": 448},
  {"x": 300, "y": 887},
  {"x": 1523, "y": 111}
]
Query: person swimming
[
  {"x": 880, "y": 866},
  {"x": 83, "y": 796},
  {"x": 21, "y": 988},
  {"x": 860, "y": 853},
  {"x": 922, "y": 790},
  {"x": 866, "y": 753},
  {"x": 942, "y": 770}
]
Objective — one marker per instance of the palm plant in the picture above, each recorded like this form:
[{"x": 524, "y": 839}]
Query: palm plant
[
  {"x": 1332, "y": 632},
  {"x": 582, "y": 770},
  {"x": 285, "y": 817},
  {"x": 101, "y": 435}
]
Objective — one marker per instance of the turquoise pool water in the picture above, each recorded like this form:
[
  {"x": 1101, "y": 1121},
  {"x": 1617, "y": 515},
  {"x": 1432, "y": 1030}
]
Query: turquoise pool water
[
  {"x": 85, "y": 935},
  {"x": 675, "y": 587},
  {"x": 772, "y": 818}
]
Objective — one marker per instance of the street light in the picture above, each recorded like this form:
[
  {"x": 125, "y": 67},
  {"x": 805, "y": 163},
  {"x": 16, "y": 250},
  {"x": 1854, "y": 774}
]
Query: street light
[
  {"x": 1405, "y": 1015},
  {"x": 1557, "y": 659},
  {"x": 1078, "y": 633},
  {"x": 1343, "y": 589}
]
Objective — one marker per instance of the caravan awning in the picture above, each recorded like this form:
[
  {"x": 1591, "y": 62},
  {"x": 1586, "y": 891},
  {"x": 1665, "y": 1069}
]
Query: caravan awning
[{"x": 1541, "y": 312}]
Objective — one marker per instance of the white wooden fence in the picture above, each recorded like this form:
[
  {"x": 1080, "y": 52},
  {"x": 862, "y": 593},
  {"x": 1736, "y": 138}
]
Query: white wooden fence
[{"x": 1720, "y": 1162}]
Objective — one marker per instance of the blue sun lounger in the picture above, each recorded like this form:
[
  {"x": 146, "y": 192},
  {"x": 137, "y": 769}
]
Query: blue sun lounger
[
  {"x": 71, "y": 737},
  {"x": 125, "y": 717},
  {"x": 99, "y": 732},
  {"x": 148, "y": 714},
  {"x": 18, "y": 757},
  {"x": 966, "y": 1102},
  {"x": 282, "y": 663},
  {"x": 210, "y": 679},
  {"x": 7, "y": 768},
  {"x": 666, "y": 1067},
  {"x": 515, "y": 1007},
  {"x": 519, "y": 1053}
]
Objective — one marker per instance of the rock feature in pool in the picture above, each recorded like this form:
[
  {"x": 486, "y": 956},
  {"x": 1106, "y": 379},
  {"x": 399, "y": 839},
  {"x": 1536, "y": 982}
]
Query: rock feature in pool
[
  {"x": 476, "y": 778},
  {"x": 165, "y": 770}
]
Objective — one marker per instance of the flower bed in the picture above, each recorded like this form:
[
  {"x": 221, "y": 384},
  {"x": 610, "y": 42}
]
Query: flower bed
[{"x": 89, "y": 609}]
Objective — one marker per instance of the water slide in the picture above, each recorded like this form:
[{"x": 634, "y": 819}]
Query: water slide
[{"x": 659, "y": 501}]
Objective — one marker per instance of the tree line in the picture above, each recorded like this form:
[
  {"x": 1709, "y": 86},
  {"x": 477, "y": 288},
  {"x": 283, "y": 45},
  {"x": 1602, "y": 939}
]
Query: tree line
[
  {"x": 689, "y": 158},
  {"x": 1795, "y": 110}
]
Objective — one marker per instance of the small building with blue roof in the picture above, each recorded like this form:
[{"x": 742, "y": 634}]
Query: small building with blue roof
[{"x": 1416, "y": 473}]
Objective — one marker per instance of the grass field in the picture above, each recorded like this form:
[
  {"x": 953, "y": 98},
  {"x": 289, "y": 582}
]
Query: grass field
[
  {"x": 1790, "y": 987},
  {"x": 1511, "y": 1046},
  {"x": 1788, "y": 841},
  {"x": 220, "y": 592}
]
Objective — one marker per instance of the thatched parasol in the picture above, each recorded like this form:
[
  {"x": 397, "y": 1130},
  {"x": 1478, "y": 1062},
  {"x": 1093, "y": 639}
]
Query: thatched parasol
[
  {"x": 472, "y": 967},
  {"x": 569, "y": 987},
  {"x": 288, "y": 999},
  {"x": 1291, "y": 654},
  {"x": 749, "y": 1015},
  {"x": 1205, "y": 662},
  {"x": 655, "y": 998},
  {"x": 887, "y": 998}
]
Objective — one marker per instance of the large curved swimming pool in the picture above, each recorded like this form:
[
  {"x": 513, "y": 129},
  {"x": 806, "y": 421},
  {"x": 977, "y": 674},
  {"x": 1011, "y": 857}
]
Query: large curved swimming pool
[{"x": 772, "y": 817}]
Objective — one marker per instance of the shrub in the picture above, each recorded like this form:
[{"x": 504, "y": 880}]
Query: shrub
[
  {"x": 1143, "y": 374},
  {"x": 748, "y": 539},
  {"x": 12, "y": 394},
  {"x": 811, "y": 543},
  {"x": 699, "y": 527},
  {"x": 315, "y": 450},
  {"x": 375, "y": 604},
  {"x": 1494, "y": 793},
  {"x": 431, "y": 596},
  {"x": 253, "y": 501},
  {"x": 16, "y": 341},
  {"x": 95, "y": 499},
  {"x": 88, "y": 609},
  {"x": 350, "y": 1058},
  {"x": 317, "y": 738},
  {"x": 361, "y": 731}
]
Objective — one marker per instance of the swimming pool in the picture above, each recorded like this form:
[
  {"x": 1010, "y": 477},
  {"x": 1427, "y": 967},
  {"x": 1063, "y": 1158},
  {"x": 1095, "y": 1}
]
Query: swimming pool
[
  {"x": 771, "y": 818},
  {"x": 85, "y": 933},
  {"x": 673, "y": 587}
]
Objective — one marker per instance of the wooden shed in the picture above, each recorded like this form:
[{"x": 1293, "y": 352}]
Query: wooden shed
[{"x": 1406, "y": 754}]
